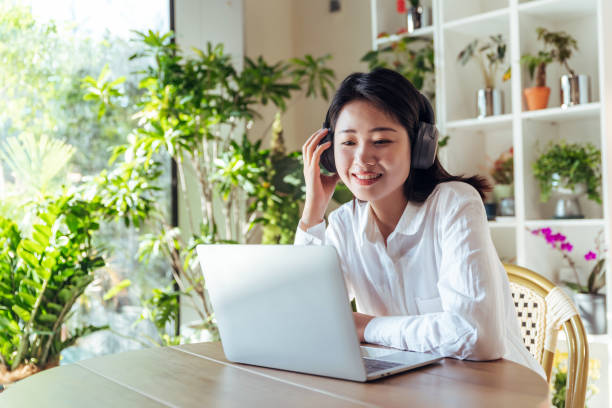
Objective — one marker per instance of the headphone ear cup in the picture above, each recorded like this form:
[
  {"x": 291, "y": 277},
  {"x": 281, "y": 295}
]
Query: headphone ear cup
[
  {"x": 327, "y": 157},
  {"x": 425, "y": 146}
]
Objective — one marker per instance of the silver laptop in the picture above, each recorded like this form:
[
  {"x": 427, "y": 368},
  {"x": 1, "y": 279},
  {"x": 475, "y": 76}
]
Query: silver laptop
[{"x": 286, "y": 307}]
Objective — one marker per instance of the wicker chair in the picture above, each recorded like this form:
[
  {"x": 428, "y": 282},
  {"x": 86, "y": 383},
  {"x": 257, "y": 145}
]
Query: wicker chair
[{"x": 542, "y": 309}]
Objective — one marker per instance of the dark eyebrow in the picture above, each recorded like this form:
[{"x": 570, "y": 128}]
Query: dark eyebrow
[{"x": 376, "y": 129}]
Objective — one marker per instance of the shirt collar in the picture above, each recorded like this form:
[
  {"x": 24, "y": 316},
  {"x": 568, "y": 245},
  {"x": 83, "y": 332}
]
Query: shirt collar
[{"x": 407, "y": 224}]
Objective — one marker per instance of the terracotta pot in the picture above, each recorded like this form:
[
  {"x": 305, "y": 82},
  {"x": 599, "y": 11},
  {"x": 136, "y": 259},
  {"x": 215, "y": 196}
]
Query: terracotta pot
[
  {"x": 23, "y": 371},
  {"x": 537, "y": 97}
]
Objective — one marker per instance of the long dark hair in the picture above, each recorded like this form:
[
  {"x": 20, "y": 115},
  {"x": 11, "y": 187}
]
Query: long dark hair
[{"x": 392, "y": 93}]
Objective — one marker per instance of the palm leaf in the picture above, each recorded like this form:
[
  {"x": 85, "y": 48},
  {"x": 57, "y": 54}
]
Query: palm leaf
[{"x": 36, "y": 163}]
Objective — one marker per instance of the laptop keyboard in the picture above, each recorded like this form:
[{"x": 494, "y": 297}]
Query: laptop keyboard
[{"x": 377, "y": 365}]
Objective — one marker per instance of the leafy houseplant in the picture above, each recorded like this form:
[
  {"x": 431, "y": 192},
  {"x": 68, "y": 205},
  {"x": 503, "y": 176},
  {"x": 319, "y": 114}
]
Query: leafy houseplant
[
  {"x": 413, "y": 57},
  {"x": 199, "y": 112},
  {"x": 562, "y": 46},
  {"x": 574, "y": 87},
  {"x": 569, "y": 164},
  {"x": 502, "y": 173},
  {"x": 490, "y": 56},
  {"x": 43, "y": 271},
  {"x": 557, "y": 47},
  {"x": 591, "y": 305},
  {"x": 502, "y": 170}
]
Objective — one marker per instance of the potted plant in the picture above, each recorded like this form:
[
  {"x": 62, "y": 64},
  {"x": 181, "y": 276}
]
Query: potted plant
[
  {"x": 591, "y": 304},
  {"x": 569, "y": 171},
  {"x": 413, "y": 57},
  {"x": 502, "y": 173},
  {"x": 575, "y": 88},
  {"x": 417, "y": 16},
  {"x": 43, "y": 271},
  {"x": 537, "y": 96},
  {"x": 490, "y": 56}
]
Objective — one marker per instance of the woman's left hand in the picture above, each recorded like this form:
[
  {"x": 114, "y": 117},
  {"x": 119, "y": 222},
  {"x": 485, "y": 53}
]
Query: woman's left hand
[{"x": 361, "y": 321}]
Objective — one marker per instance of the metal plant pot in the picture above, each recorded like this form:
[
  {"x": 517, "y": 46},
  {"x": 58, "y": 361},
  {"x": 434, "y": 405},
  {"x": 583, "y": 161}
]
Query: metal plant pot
[
  {"x": 489, "y": 102},
  {"x": 418, "y": 17},
  {"x": 415, "y": 18},
  {"x": 575, "y": 89},
  {"x": 567, "y": 206},
  {"x": 592, "y": 310}
]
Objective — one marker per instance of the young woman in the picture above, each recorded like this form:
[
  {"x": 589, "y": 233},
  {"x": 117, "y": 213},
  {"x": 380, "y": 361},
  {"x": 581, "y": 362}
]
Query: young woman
[{"x": 414, "y": 246}]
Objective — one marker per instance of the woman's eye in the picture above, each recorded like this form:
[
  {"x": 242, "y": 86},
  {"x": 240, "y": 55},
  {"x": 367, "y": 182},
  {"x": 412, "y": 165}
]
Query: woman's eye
[
  {"x": 348, "y": 143},
  {"x": 382, "y": 141}
]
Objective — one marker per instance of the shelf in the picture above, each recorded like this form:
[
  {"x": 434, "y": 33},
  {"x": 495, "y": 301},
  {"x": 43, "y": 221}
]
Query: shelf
[
  {"x": 587, "y": 222},
  {"x": 559, "y": 9},
  {"x": 483, "y": 24},
  {"x": 489, "y": 123},
  {"x": 425, "y": 32},
  {"x": 586, "y": 111},
  {"x": 503, "y": 222}
]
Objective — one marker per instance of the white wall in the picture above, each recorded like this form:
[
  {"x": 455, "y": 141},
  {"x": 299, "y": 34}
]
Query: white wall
[{"x": 200, "y": 21}]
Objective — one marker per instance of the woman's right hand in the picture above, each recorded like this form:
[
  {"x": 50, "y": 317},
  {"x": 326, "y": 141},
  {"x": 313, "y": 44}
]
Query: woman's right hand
[{"x": 319, "y": 187}]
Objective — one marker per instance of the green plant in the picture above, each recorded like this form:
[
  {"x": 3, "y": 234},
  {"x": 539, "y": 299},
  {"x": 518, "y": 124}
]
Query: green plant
[
  {"x": 43, "y": 271},
  {"x": 413, "y": 57},
  {"x": 572, "y": 164},
  {"x": 562, "y": 46},
  {"x": 285, "y": 190},
  {"x": 539, "y": 62},
  {"x": 35, "y": 163},
  {"x": 559, "y": 45},
  {"x": 41, "y": 113},
  {"x": 502, "y": 170},
  {"x": 162, "y": 308},
  {"x": 199, "y": 111},
  {"x": 493, "y": 51},
  {"x": 443, "y": 142}
]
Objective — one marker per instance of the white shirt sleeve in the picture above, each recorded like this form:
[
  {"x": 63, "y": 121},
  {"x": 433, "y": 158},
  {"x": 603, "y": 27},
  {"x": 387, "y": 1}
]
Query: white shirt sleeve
[
  {"x": 313, "y": 236},
  {"x": 319, "y": 235},
  {"x": 471, "y": 323}
]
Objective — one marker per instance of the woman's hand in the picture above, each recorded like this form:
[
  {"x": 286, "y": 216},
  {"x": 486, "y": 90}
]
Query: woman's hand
[
  {"x": 361, "y": 321},
  {"x": 319, "y": 187}
]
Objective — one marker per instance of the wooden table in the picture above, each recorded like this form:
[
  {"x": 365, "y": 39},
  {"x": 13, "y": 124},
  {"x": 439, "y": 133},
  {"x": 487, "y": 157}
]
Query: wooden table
[{"x": 198, "y": 375}]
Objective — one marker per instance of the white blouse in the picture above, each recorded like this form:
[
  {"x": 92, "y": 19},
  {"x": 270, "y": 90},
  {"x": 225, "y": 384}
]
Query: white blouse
[{"x": 438, "y": 286}]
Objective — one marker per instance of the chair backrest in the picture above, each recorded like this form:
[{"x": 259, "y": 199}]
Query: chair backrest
[{"x": 542, "y": 309}]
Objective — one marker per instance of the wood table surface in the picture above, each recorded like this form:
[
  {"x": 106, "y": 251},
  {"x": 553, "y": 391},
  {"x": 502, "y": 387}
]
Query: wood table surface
[{"x": 198, "y": 375}]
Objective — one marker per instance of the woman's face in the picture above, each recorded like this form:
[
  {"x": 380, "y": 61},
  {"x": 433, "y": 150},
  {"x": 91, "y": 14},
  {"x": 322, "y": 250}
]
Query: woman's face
[{"x": 371, "y": 151}]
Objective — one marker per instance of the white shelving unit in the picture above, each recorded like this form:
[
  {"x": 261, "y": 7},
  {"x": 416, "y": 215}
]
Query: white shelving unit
[{"x": 475, "y": 143}]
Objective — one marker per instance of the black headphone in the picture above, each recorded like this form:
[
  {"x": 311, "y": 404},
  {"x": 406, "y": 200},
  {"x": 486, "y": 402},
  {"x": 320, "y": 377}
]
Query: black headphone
[{"x": 424, "y": 148}]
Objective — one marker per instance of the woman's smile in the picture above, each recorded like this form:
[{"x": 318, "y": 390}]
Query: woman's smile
[{"x": 366, "y": 178}]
